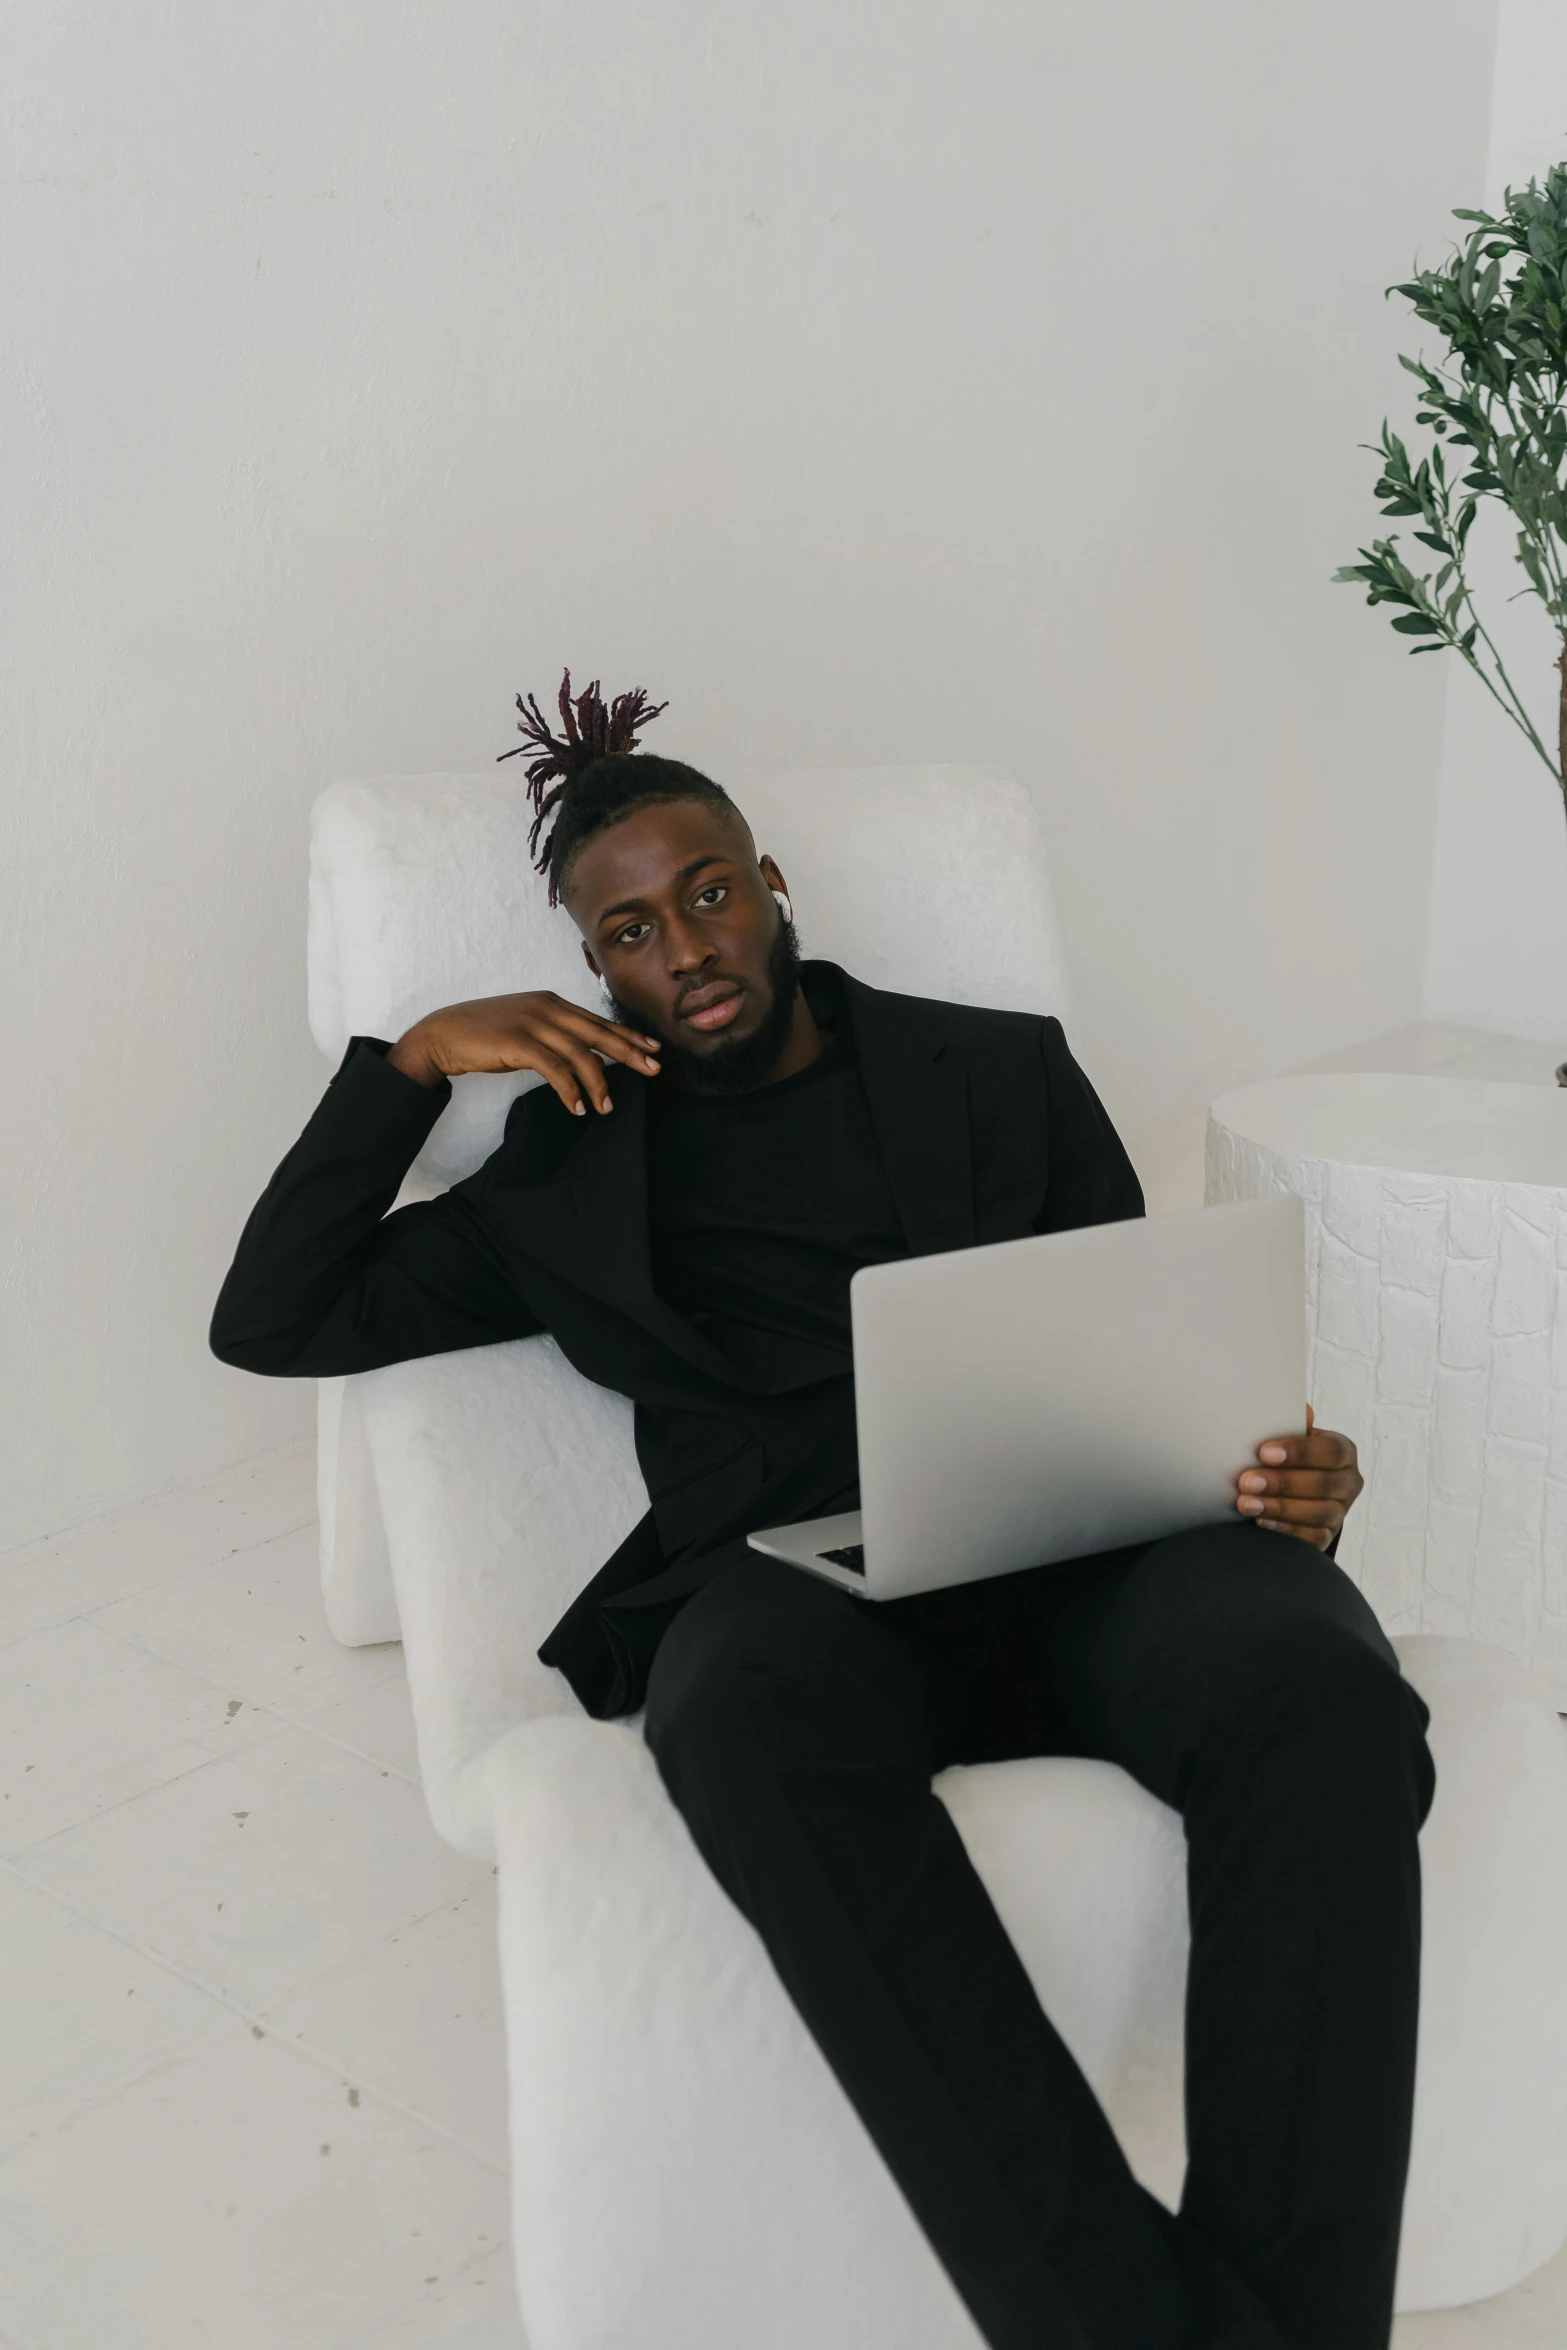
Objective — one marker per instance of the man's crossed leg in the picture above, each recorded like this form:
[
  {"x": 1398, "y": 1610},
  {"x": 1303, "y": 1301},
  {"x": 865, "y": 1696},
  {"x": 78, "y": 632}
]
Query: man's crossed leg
[{"x": 1246, "y": 1683}]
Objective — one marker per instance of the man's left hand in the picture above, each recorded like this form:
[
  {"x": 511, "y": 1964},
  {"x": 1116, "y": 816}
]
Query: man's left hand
[{"x": 1304, "y": 1486}]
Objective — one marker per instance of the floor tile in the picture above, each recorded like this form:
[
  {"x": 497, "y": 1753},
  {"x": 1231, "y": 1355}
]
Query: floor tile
[
  {"x": 258, "y": 1874},
  {"x": 81, "y": 2014},
  {"x": 474, "y": 2310},
  {"x": 418, "y": 2019},
  {"x": 86, "y": 1721},
  {"x": 254, "y": 1625},
  {"x": 237, "y": 2198},
  {"x": 378, "y": 1723},
  {"x": 89, "y": 1565}
]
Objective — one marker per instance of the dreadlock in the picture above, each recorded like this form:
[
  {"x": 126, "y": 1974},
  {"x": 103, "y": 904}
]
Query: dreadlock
[{"x": 591, "y": 774}]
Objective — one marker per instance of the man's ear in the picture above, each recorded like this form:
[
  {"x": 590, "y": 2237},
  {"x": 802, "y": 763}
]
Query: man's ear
[
  {"x": 771, "y": 875},
  {"x": 588, "y": 959}
]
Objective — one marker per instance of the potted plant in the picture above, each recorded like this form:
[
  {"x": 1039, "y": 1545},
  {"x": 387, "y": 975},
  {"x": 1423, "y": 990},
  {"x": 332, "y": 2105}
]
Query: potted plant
[{"x": 1495, "y": 405}]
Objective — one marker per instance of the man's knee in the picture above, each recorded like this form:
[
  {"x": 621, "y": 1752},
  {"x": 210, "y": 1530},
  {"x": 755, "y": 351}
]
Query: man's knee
[
  {"x": 691, "y": 1708},
  {"x": 1319, "y": 1693},
  {"x": 739, "y": 1656},
  {"x": 769, "y": 1669}
]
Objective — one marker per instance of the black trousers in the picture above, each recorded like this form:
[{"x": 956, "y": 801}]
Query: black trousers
[{"x": 1241, "y": 1677}]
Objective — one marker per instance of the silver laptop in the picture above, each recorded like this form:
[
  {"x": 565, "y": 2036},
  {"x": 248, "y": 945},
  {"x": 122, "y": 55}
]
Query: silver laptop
[{"x": 1044, "y": 1399}]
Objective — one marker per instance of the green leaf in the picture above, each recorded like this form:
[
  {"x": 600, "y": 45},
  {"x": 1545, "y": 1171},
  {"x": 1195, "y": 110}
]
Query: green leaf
[{"x": 1417, "y": 624}]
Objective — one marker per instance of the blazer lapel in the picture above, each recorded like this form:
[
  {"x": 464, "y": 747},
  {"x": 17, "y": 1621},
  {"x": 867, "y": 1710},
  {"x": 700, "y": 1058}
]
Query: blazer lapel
[
  {"x": 917, "y": 1093},
  {"x": 590, "y": 1224}
]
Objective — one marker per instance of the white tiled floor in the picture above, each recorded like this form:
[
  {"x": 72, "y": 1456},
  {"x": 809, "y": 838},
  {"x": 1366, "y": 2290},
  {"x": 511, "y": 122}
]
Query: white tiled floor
[
  {"x": 251, "y": 2065},
  {"x": 251, "y": 2058}
]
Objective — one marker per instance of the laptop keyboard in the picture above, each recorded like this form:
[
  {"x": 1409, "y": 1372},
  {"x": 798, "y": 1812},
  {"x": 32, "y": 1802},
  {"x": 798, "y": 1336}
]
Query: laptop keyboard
[{"x": 852, "y": 1557}]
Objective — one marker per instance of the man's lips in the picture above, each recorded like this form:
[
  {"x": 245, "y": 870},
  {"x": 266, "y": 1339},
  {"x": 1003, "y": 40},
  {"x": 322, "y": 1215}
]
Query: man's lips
[{"x": 713, "y": 1006}]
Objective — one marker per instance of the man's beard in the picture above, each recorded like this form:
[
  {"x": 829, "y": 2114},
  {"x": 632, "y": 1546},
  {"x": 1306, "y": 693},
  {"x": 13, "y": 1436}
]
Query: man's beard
[{"x": 748, "y": 1061}]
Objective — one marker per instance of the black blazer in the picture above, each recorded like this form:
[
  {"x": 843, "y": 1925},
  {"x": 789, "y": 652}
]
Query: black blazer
[{"x": 988, "y": 1130}]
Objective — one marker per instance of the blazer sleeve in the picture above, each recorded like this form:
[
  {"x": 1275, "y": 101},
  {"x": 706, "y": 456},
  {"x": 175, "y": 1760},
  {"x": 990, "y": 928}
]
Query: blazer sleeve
[
  {"x": 324, "y": 1281},
  {"x": 1089, "y": 1178}
]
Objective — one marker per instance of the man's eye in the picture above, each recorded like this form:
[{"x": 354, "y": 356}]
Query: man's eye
[
  {"x": 711, "y": 895},
  {"x": 629, "y": 936}
]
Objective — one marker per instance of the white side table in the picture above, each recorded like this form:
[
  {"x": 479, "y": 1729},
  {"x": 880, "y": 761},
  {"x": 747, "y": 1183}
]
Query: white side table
[{"x": 1436, "y": 1313}]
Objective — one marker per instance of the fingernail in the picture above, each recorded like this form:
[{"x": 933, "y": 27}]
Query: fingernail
[
  {"x": 579, "y": 1109},
  {"x": 1273, "y": 1453},
  {"x": 1253, "y": 1482},
  {"x": 1269, "y": 1525},
  {"x": 1250, "y": 1504},
  {"x": 605, "y": 1107}
]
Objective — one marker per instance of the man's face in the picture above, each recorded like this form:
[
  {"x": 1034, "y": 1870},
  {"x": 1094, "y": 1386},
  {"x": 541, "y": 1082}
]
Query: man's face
[{"x": 678, "y": 916}]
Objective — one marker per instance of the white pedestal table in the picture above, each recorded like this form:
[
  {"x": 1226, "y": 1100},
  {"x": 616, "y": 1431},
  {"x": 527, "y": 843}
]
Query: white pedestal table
[{"x": 1436, "y": 1218}]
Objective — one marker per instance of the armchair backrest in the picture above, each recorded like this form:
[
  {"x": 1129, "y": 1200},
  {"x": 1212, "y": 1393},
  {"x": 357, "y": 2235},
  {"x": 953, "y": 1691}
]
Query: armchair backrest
[{"x": 927, "y": 879}]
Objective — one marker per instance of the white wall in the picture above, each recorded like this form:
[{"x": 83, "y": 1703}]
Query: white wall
[
  {"x": 875, "y": 382},
  {"x": 1498, "y": 953}
]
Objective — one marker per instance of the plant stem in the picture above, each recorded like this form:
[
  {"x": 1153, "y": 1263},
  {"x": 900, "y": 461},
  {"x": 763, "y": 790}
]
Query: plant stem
[
  {"x": 1507, "y": 708},
  {"x": 1512, "y": 705}
]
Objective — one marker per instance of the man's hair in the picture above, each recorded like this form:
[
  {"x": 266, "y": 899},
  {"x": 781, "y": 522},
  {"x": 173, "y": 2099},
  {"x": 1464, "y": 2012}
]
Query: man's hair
[{"x": 591, "y": 774}]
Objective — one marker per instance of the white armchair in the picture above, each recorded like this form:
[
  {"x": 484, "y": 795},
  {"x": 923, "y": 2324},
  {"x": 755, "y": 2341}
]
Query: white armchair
[
  {"x": 686, "y": 2170},
  {"x": 422, "y": 893}
]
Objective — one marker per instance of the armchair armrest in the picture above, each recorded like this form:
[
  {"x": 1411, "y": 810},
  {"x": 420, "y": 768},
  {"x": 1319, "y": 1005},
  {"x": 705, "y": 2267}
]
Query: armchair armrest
[{"x": 505, "y": 1480}]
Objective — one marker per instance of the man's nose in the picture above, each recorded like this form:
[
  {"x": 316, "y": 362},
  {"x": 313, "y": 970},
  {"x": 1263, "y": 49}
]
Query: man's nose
[{"x": 688, "y": 948}]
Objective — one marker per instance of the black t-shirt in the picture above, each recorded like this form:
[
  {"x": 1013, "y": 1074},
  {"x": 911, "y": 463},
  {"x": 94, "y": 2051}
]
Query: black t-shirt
[{"x": 762, "y": 1205}]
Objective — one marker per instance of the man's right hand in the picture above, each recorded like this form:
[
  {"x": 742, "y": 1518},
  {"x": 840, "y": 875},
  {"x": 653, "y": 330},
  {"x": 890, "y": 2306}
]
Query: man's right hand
[{"x": 539, "y": 1031}]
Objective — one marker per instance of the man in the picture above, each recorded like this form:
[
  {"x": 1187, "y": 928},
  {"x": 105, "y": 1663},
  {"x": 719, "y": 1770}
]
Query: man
[{"x": 682, "y": 1203}]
